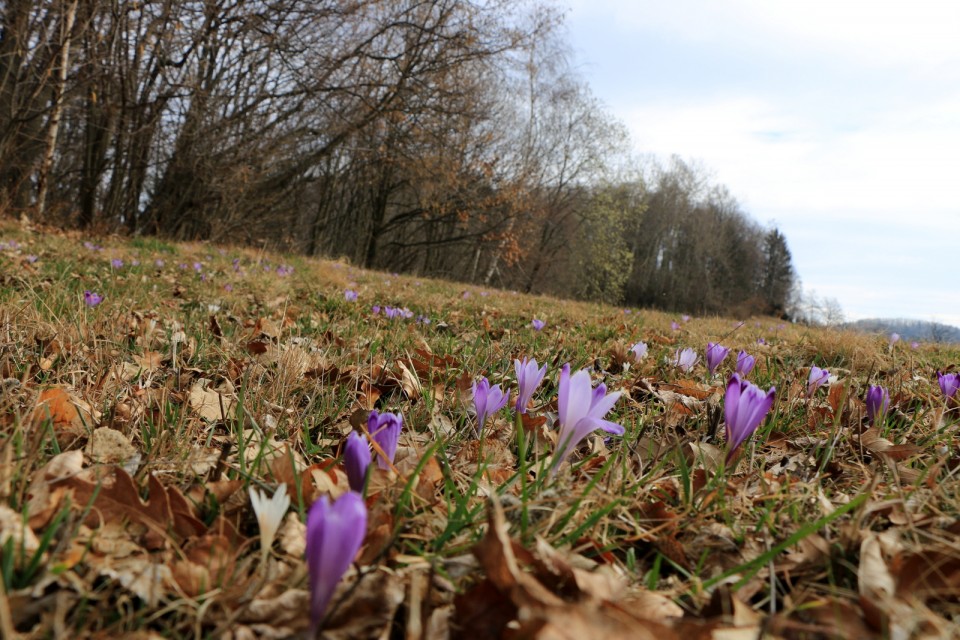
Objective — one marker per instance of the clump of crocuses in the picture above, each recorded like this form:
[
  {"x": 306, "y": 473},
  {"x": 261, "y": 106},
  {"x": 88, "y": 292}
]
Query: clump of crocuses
[
  {"x": 716, "y": 353},
  {"x": 745, "y": 364},
  {"x": 335, "y": 533},
  {"x": 487, "y": 400},
  {"x": 745, "y": 405},
  {"x": 356, "y": 460},
  {"x": 529, "y": 378},
  {"x": 384, "y": 429},
  {"x": 818, "y": 377},
  {"x": 877, "y": 401},
  {"x": 581, "y": 411}
]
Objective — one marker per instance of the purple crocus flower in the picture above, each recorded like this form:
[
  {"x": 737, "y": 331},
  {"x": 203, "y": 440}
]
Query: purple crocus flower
[
  {"x": 356, "y": 459},
  {"x": 894, "y": 338},
  {"x": 745, "y": 364},
  {"x": 818, "y": 377},
  {"x": 949, "y": 383},
  {"x": 685, "y": 359},
  {"x": 116, "y": 263},
  {"x": 745, "y": 405},
  {"x": 92, "y": 299},
  {"x": 581, "y": 410},
  {"x": 538, "y": 324},
  {"x": 350, "y": 295},
  {"x": 529, "y": 378},
  {"x": 675, "y": 325},
  {"x": 685, "y": 318},
  {"x": 384, "y": 428},
  {"x": 487, "y": 400},
  {"x": 375, "y": 309},
  {"x": 877, "y": 400},
  {"x": 716, "y": 353},
  {"x": 335, "y": 533},
  {"x": 639, "y": 351}
]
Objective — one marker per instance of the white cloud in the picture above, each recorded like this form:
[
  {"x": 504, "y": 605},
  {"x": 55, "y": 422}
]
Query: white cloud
[
  {"x": 919, "y": 34},
  {"x": 840, "y": 120}
]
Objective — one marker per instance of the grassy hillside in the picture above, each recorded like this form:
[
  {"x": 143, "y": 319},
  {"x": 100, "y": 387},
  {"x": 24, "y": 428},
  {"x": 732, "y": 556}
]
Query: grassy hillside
[{"x": 132, "y": 429}]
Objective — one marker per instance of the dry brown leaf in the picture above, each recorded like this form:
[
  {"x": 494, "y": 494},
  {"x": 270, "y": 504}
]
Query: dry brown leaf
[
  {"x": 209, "y": 404},
  {"x": 142, "y": 575},
  {"x": 150, "y": 360},
  {"x": 109, "y": 446},
  {"x": 540, "y": 613},
  {"x": 70, "y": 416},
  {"x": 165, "y": 513},
  {"x": 709, "y": 455},
  {"x": 409, "y": 381},
  {"x": 931, "y": 574},
  {"x": 875, "y": 443},
  {"x": 873, "y": 574},
  {"x": 293, "y": 536},
  {"x": 43, "y": 500},
  {"x": 12, "y": 526},
  {"x": 652, "y": 606},
  {"x": 367, "y": 609},
  {"x": 690, "y": 388},
  {"x": 208, "y": 563}
]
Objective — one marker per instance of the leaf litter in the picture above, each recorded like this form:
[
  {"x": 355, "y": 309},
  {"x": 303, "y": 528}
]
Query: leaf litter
[{"x": 131, "y": 431}]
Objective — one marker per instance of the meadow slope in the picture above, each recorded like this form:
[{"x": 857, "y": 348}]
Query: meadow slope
[{"x": 148, "y": 386}]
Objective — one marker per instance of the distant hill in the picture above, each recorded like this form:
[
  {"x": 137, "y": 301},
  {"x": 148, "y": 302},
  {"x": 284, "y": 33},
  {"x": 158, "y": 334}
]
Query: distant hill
[{"x": 919, "y": 330}]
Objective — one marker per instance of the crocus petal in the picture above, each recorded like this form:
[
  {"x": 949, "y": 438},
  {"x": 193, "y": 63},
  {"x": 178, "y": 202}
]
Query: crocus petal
[
  {"x": 601, "y": 406},
  {"x": 356, "y": 460},
  {"x": 528, "y": 379},
  {"x": 581, "y": 411},
  {"x": 731, "y": 403},
  {"x": 745, "y": 406},
  {"x": 384, "y": 428},
  {"x": 745, "y": 363},
  {"x": 334, "y": 535},
  {"x": 563, "y": 391},
  {"x": 579, "y": 399}
]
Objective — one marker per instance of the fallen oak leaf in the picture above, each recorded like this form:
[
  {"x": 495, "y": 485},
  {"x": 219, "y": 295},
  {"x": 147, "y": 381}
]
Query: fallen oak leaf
[
  {"x": 165, "y": 513},
  {"x": 540, "y": 613}
]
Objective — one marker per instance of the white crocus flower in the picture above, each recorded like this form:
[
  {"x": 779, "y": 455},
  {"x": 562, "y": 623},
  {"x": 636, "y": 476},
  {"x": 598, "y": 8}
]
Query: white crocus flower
[{"x": 270, "y": 512}]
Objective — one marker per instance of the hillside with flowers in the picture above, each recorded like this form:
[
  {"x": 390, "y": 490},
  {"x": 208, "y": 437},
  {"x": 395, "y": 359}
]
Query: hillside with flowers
[{"x": 214, "y": 442}]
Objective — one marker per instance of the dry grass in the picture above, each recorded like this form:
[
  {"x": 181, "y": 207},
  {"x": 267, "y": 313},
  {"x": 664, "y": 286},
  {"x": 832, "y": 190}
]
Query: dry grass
[{"x": 190, "y": 385}]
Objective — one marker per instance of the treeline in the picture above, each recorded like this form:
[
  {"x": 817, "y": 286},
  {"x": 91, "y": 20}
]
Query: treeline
[
  {"x": 908, "y": 330},
  {"x": 440, "y": 137}
]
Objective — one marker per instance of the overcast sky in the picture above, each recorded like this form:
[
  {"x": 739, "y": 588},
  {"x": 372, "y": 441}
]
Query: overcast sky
[{"x": 838, "y": 120}]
